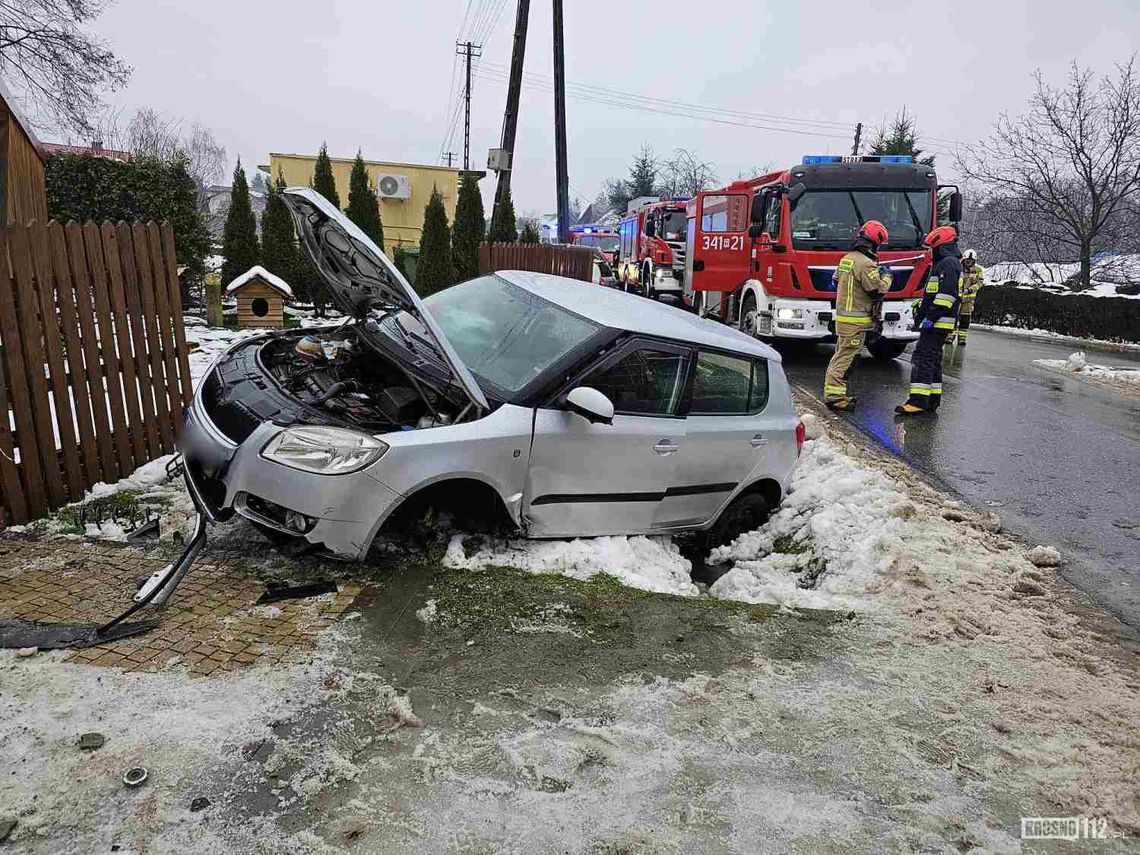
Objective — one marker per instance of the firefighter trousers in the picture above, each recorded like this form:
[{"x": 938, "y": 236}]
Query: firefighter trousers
[
  {"x": 849, "y": 340},
  {"x": 926, "y": 370},
  {"x": 963, "y": 327}
]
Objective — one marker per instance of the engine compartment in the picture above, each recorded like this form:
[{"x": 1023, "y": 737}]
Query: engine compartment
[{"x": 339, "y": 372}]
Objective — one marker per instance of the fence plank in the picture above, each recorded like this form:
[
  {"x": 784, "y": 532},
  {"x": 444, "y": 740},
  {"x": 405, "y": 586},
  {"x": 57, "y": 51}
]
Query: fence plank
[
  {"x": 128, "y": 315},
  {"x": 40, "y": 441},
  {"x": 53, "y": 351},
  {"x": 87, "y": 255},
  {"x": 69, "y": 321},
  {"x": 153, "y": 340},
  {"x": 183, "y": 354},
  {"x": 15, "y": 496},
  {"x": 166, "y": 324}
]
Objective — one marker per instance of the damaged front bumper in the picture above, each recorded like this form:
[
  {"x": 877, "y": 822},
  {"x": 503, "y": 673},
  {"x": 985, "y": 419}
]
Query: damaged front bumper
[{"x": 338, "y": 512}]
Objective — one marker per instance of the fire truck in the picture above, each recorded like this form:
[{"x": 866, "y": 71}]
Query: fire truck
[
  {"x": 651, "y": 251},
  {"x": 762, "y": 253},
  {"x": 597, "y": 237}
]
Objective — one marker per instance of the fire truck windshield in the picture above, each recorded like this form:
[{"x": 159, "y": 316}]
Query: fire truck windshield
[
  {"x": 830, "y": 219},
  {"x": 606, "y": 243},
  {"x": 673, "y": 225}
]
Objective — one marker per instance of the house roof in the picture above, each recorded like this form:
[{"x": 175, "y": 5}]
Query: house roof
[
  {"x": 92, "y": 150},
  {"x": 9, "y": 104},
  {"x": 259, "y": 272}
]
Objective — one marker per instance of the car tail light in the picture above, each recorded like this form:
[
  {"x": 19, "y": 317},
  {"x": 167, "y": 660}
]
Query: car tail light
[{"x": 801, "y": 434}]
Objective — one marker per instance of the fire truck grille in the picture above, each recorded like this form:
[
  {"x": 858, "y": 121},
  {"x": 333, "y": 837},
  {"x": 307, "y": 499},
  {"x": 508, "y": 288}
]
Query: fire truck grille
[{"x": 678, "y": 248}]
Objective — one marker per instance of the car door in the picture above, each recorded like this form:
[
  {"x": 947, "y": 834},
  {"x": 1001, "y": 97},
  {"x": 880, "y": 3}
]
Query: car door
[
  {"x": 588, "y": 479},
  {"x": 726, "y": 436}
]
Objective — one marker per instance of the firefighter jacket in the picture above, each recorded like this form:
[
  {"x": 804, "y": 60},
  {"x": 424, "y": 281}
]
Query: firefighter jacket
[
  {"x": 940, "y": 301},
  {"x": 972, "y": 282},
  {"x": 857, "y": 280}
]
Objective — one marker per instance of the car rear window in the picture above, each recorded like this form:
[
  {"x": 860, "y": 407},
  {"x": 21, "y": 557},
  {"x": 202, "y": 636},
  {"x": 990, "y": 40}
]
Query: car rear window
[{"x": 725, "y": 384}]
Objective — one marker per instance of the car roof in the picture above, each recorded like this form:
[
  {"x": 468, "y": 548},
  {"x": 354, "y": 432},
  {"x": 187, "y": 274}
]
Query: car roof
[{"x": 621, "y": 311}]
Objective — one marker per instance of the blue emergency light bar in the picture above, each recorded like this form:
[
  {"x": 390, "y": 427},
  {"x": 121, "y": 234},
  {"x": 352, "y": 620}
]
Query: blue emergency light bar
[{"x": 812, "y": 159}]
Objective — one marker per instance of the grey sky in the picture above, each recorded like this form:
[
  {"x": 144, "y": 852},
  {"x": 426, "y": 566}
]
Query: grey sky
[{"x": 283, "y": 76}]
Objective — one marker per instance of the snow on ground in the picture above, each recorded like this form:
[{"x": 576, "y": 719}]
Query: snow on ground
[
  {"x": 1098, "y": 343},
  {"x": 1078, "y": 365},
  {"x": 650, "y": 563},
  {"x": 1107, "y": 274}
]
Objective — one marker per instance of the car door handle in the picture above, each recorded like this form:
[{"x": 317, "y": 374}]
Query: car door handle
[
  {"x": 758, "y": 440},
  {"x": 665, "y": 446}
]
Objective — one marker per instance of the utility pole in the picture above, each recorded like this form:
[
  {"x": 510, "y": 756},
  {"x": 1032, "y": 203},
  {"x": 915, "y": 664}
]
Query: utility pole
[
  {"x": 858, "y": 136},
  {"x": 560, "y": 169},
  {"x": 511, "y": 114},
  {"x": 449, "y": 155},
  {"x": 468, "y": 50}
]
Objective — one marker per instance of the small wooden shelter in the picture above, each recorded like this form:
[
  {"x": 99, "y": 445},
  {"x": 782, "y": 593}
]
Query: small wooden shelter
[
  {"x": 260, "y": 298},
  {"x": 23, "y": 196}
]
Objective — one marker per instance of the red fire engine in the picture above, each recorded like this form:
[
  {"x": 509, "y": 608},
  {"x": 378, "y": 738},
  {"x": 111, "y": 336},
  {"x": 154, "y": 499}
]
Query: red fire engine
[
  {"x": 606, "y": 242},
  {"x": 651, "y": 253},
  {"x": 762, "y": 252}
]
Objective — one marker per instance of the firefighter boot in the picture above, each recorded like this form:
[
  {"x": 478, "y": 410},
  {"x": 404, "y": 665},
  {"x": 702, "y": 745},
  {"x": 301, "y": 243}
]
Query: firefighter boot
[
  {"x": 909, "y": 409},
  {"x": 843, "y": 404}
]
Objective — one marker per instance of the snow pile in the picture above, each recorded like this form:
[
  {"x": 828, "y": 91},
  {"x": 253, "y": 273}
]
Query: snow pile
[
  {"x": 1078, "y": 365},
  {"x": 813, "y": 426},
  {"x": 826, "y": 547},
  {"x": 650, "y": 563},
  {"x": 1059, "y": 278},
  {"x": 259, "y": 272}
]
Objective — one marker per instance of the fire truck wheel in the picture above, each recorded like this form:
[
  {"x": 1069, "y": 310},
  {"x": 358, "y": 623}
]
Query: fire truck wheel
[
  {"x": 748, "y": 315},
  {"x": 886, "y": 349}
]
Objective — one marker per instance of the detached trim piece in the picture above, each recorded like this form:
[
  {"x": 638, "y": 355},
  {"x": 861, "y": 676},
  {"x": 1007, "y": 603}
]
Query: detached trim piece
[{"x": 579, "y": 498}]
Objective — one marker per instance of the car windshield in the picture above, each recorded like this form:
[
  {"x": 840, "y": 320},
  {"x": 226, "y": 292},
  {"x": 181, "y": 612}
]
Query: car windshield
[
  {"x": 830, "y": 219},
  {"x": 505, "y": 335},
  {"x": 673, "y": 225}
]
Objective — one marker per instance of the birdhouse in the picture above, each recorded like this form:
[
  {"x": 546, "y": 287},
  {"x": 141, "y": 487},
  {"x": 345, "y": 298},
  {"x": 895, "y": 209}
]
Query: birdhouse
[{"x": 260, "y": 298}]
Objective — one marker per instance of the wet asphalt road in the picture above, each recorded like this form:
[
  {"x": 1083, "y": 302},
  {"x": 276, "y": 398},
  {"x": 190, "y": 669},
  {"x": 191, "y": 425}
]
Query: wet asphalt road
[{"x": 1058, "y": 459}]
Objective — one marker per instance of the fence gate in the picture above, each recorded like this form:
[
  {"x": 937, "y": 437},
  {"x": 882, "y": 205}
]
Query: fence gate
[
  {"x": 93, "y": 365},
  {"x": 574, "y": 262}
]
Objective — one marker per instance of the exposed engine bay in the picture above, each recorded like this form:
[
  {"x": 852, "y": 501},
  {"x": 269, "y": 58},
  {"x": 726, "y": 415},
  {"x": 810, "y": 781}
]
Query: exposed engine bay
[{"x": 339, "y": 372}]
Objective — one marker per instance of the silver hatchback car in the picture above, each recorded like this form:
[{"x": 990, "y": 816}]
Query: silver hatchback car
[{"x": 571, "y": 410}]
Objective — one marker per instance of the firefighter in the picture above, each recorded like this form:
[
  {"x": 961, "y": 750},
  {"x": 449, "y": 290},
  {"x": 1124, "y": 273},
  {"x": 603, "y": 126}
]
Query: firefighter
[
  {"x": 859, "y": 282},
  {"x": 971, "y": 284},
  {"x": 934, "y": 320}
]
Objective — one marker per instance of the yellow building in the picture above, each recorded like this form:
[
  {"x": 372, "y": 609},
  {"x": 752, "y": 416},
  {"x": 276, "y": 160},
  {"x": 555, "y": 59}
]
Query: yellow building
[{"x": 403, "y": 188}]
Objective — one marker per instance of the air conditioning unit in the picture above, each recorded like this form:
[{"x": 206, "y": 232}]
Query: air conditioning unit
[{"x": 393, "y": 186}]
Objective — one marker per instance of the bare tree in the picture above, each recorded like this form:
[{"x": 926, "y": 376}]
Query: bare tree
[
  {"x": 150, "y": 134},
  {"x": 59, "y": 69},
  {"x": 685, "y": 174},
  {"x": 1069, "y": 168},
  {"x": 205, "y": 157}
]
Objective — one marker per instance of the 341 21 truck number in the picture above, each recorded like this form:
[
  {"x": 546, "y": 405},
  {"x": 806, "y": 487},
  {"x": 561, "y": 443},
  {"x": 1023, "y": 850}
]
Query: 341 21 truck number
[{"x": 729, "y": 242}]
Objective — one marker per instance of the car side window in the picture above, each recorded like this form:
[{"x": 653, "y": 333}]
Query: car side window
[
  {"x": 772, "y": 217},
  {"x": 642, "y": 382},
  {"x": 729, "y": 385}
]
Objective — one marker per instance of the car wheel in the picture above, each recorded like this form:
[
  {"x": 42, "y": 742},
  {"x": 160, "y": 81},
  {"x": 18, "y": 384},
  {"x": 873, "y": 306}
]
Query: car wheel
[
  {"x": 748, "y": 318},
  {"x": 746, "y": 513},
  {"x": 886, "y": 349}
]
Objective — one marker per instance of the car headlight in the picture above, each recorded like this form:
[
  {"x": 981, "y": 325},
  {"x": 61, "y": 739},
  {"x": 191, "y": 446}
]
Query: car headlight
[
  {"x": 326, "y": 450},
  {"x": 789, "y": 314}
]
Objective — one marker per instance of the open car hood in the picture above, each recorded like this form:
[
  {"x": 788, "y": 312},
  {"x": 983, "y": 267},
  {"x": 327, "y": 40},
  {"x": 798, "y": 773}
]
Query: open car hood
[{"x": 360, "y": 277}]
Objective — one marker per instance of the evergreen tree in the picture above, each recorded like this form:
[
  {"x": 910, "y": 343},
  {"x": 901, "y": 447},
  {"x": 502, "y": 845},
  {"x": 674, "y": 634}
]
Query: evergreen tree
[
  {"x": 239, "y": 236},
  {"x": 503, "y": 229},
  {"x": 363, "y": 206},
  {"x": 469, "y": 228},
  {"x": 435, "y": 270},
  {"x": 529, "y": 233},
  {"x": 279, "y": 250},
  {"x": 323, "y": 181},
  {"x": 643, "y": 174},
  {"x": 900, "y": 138}
]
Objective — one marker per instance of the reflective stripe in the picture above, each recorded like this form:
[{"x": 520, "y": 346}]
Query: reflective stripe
[
  {"x": 935, "y": 388},
  {"x": 835, "y": 390},
  {"x": 860, "y": 320},
  {"x": 944, "y": 324},
  {"x": 932, "y": 285},
  {"x": 919, "y": 390},
  {"x": 945, "y": 301},
  {"x": 846, "y": 263}
]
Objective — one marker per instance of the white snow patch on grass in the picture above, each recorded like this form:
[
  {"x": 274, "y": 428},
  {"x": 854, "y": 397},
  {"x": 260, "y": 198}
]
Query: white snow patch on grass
[
  {"x": 649, "y": 563},
  {"x": 830, "y": 536}
]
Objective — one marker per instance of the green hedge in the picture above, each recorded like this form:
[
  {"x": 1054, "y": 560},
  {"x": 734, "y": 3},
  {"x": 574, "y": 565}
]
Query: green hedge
[{"x": 1111, "y": 318}]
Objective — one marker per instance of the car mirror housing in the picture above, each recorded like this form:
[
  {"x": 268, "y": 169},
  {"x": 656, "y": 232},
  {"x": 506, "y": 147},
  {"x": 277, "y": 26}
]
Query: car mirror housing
[{"x": 591, "y": 405}]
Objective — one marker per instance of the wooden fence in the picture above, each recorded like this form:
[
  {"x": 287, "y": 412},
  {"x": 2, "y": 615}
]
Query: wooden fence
[
  {"x": 575, "y": 262},
  {"x": 93, "y": 363}
]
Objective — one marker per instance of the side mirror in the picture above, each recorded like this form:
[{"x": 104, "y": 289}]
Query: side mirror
[
  {"x": 756, "y": 215},
  {"x": 591, "y": 405},
  {"x": 755, "y": 230},
  {"x": 650, "y": 231},
  {"x": 955, "y": 207},
  {"x": 796, "y": 191}
]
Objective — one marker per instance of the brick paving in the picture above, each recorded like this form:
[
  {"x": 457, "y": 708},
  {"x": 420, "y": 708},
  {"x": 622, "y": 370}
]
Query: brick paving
[{"x": 212, "y": 624}]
